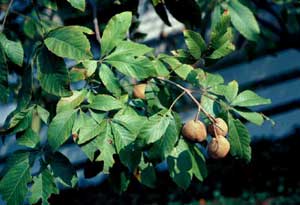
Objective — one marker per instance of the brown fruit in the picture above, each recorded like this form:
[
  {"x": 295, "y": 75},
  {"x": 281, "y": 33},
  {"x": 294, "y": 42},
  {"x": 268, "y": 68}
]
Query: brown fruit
[
  {"x": 139, "y": 91},
  {"x": 219, "y": 147},
  {"x": 220, "y": 126},
  {"x": 194, "y": 130}
]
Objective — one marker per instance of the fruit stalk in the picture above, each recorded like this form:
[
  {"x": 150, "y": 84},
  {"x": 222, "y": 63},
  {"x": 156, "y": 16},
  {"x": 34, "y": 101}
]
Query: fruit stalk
[
  {"x": 189, "y": 93},
  {"x": 176, "y": 99}
]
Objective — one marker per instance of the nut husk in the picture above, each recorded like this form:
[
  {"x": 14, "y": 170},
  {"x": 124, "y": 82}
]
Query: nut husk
[
  {"x": 139, "y": 90},
  {"x": 194, "y": 130},
  {"x": 220, "y": 127},
  {"x": 219, "y": 147}
]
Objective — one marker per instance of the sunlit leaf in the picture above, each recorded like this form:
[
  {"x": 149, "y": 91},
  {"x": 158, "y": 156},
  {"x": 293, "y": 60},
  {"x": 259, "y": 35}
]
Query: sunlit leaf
[
  {"x": 115, "y": 31},
  {"x": 69, "y": 42}
]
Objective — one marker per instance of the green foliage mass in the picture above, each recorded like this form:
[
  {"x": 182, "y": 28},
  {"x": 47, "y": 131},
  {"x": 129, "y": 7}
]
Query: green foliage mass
[{"x": 91, "y": 104}]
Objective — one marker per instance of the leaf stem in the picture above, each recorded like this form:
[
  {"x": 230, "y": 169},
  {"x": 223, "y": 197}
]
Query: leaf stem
[
  {"x": 189, "y": 93},
  {"x": 6, "y": 14},
  {"x": 176, "y": 99}
]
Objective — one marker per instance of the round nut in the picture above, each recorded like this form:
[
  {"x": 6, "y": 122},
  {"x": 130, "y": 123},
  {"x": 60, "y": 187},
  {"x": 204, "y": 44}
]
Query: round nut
[
  {"x": 219, "y": 147},
  {"x": 194, "y": 130},
  {"x": 220, "y": 127},
  {"x": 139, "y": 90}
]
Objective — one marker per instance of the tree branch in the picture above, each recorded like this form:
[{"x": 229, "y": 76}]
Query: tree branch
[
  {"x": 95, "y": 20},
  {"x": 6, "y": 14}
]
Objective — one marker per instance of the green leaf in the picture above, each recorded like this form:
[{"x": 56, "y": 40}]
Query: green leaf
[
  {"x": 69, "y": 42},
  {"x": 183, "y": 56},
  {"x": 63, "y": 169},
  {"x": 13, "y": 50},
  {"x": 185, "y": 161},
  {"x": 43, "y": 187},
  {"x": 43, "y": 114},
  {"x": 232, "y": 91},
  {"x": 4, "y": 91},
  {"x": 126, "y": 125},
  {"x": 20, "y": 121},
  {"x": 221, "y": 37},
  {"x": 239, "y": 139},
  {"x": 109, "y": 79},
  {"x": 137, "y": 67},
  {"x": 67, "y": 103},
  {"x": 152, "y": 94},
  {"x": 53, "y": 74},
  {"x": 253, "y": 117},
  {"x": 29, "y": 139},
  {"x": 36, "y": 29},
  {"x": 160, "y": 68},
  {"x": 91, "y": 66},
  {"x": 119, "y": 181},
  {"x": 182, "y": 70},
  {"x": 249, "y": 98},
  {"x": 32, "y": 29},
  {"x": 155, "y": 127},
  {"x": 78, "y": 123},
  {"x": 210, "y": 79},
  {"x": 219, "y": 90},
  {"x": 198, "y": 162},
  {"x": 122, "y": 134},
  {"x": 60, "y": 128},
  {"x": 198, "y": 77},
  {"x": 128, "y": 117},
  {"x": 221, "y": 32},
  {"x": 20, "y": 117},
  {"x": 195, "y": 43},
  {"x": 25, "y": 92},
  {"x": 130, "y": 156},
  {"x": 115, "y": 31},
  {"x": 162, "y": 148},
  {"x": 129, "y": 48},
  {"x": 228, "y": 91},
  {"x": 77, "y": 74},
  {"x": 13, "y": 186},
  {"x": 155, "y": 2},
  {"x": 148, "y": 176},
  {"x": 243, "y": 20},
  {"x": 104, "y": 142},
  {"x": 222, "y": 51},
  {"x": 104, "y": 103},
  {"x": 179, "y": 165},
  {"x": 78, "y": 4},
  {"x": 98, "y": 116},
  {"x": 89, "y": 149},
  {"x": 216, "y": 16},
  {"x": 89, "y": 129}
]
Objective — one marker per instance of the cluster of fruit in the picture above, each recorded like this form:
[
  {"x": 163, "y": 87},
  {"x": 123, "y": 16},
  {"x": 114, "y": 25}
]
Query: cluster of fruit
[
  {"x": 219, "y": 146},
  {"x": 195, "y": 130}
]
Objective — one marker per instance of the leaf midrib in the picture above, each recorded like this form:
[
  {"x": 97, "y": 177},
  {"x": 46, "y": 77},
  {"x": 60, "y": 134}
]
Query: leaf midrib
[
  {"x": 83, "y": 52},
  {"x": 18, "y": 182}
]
